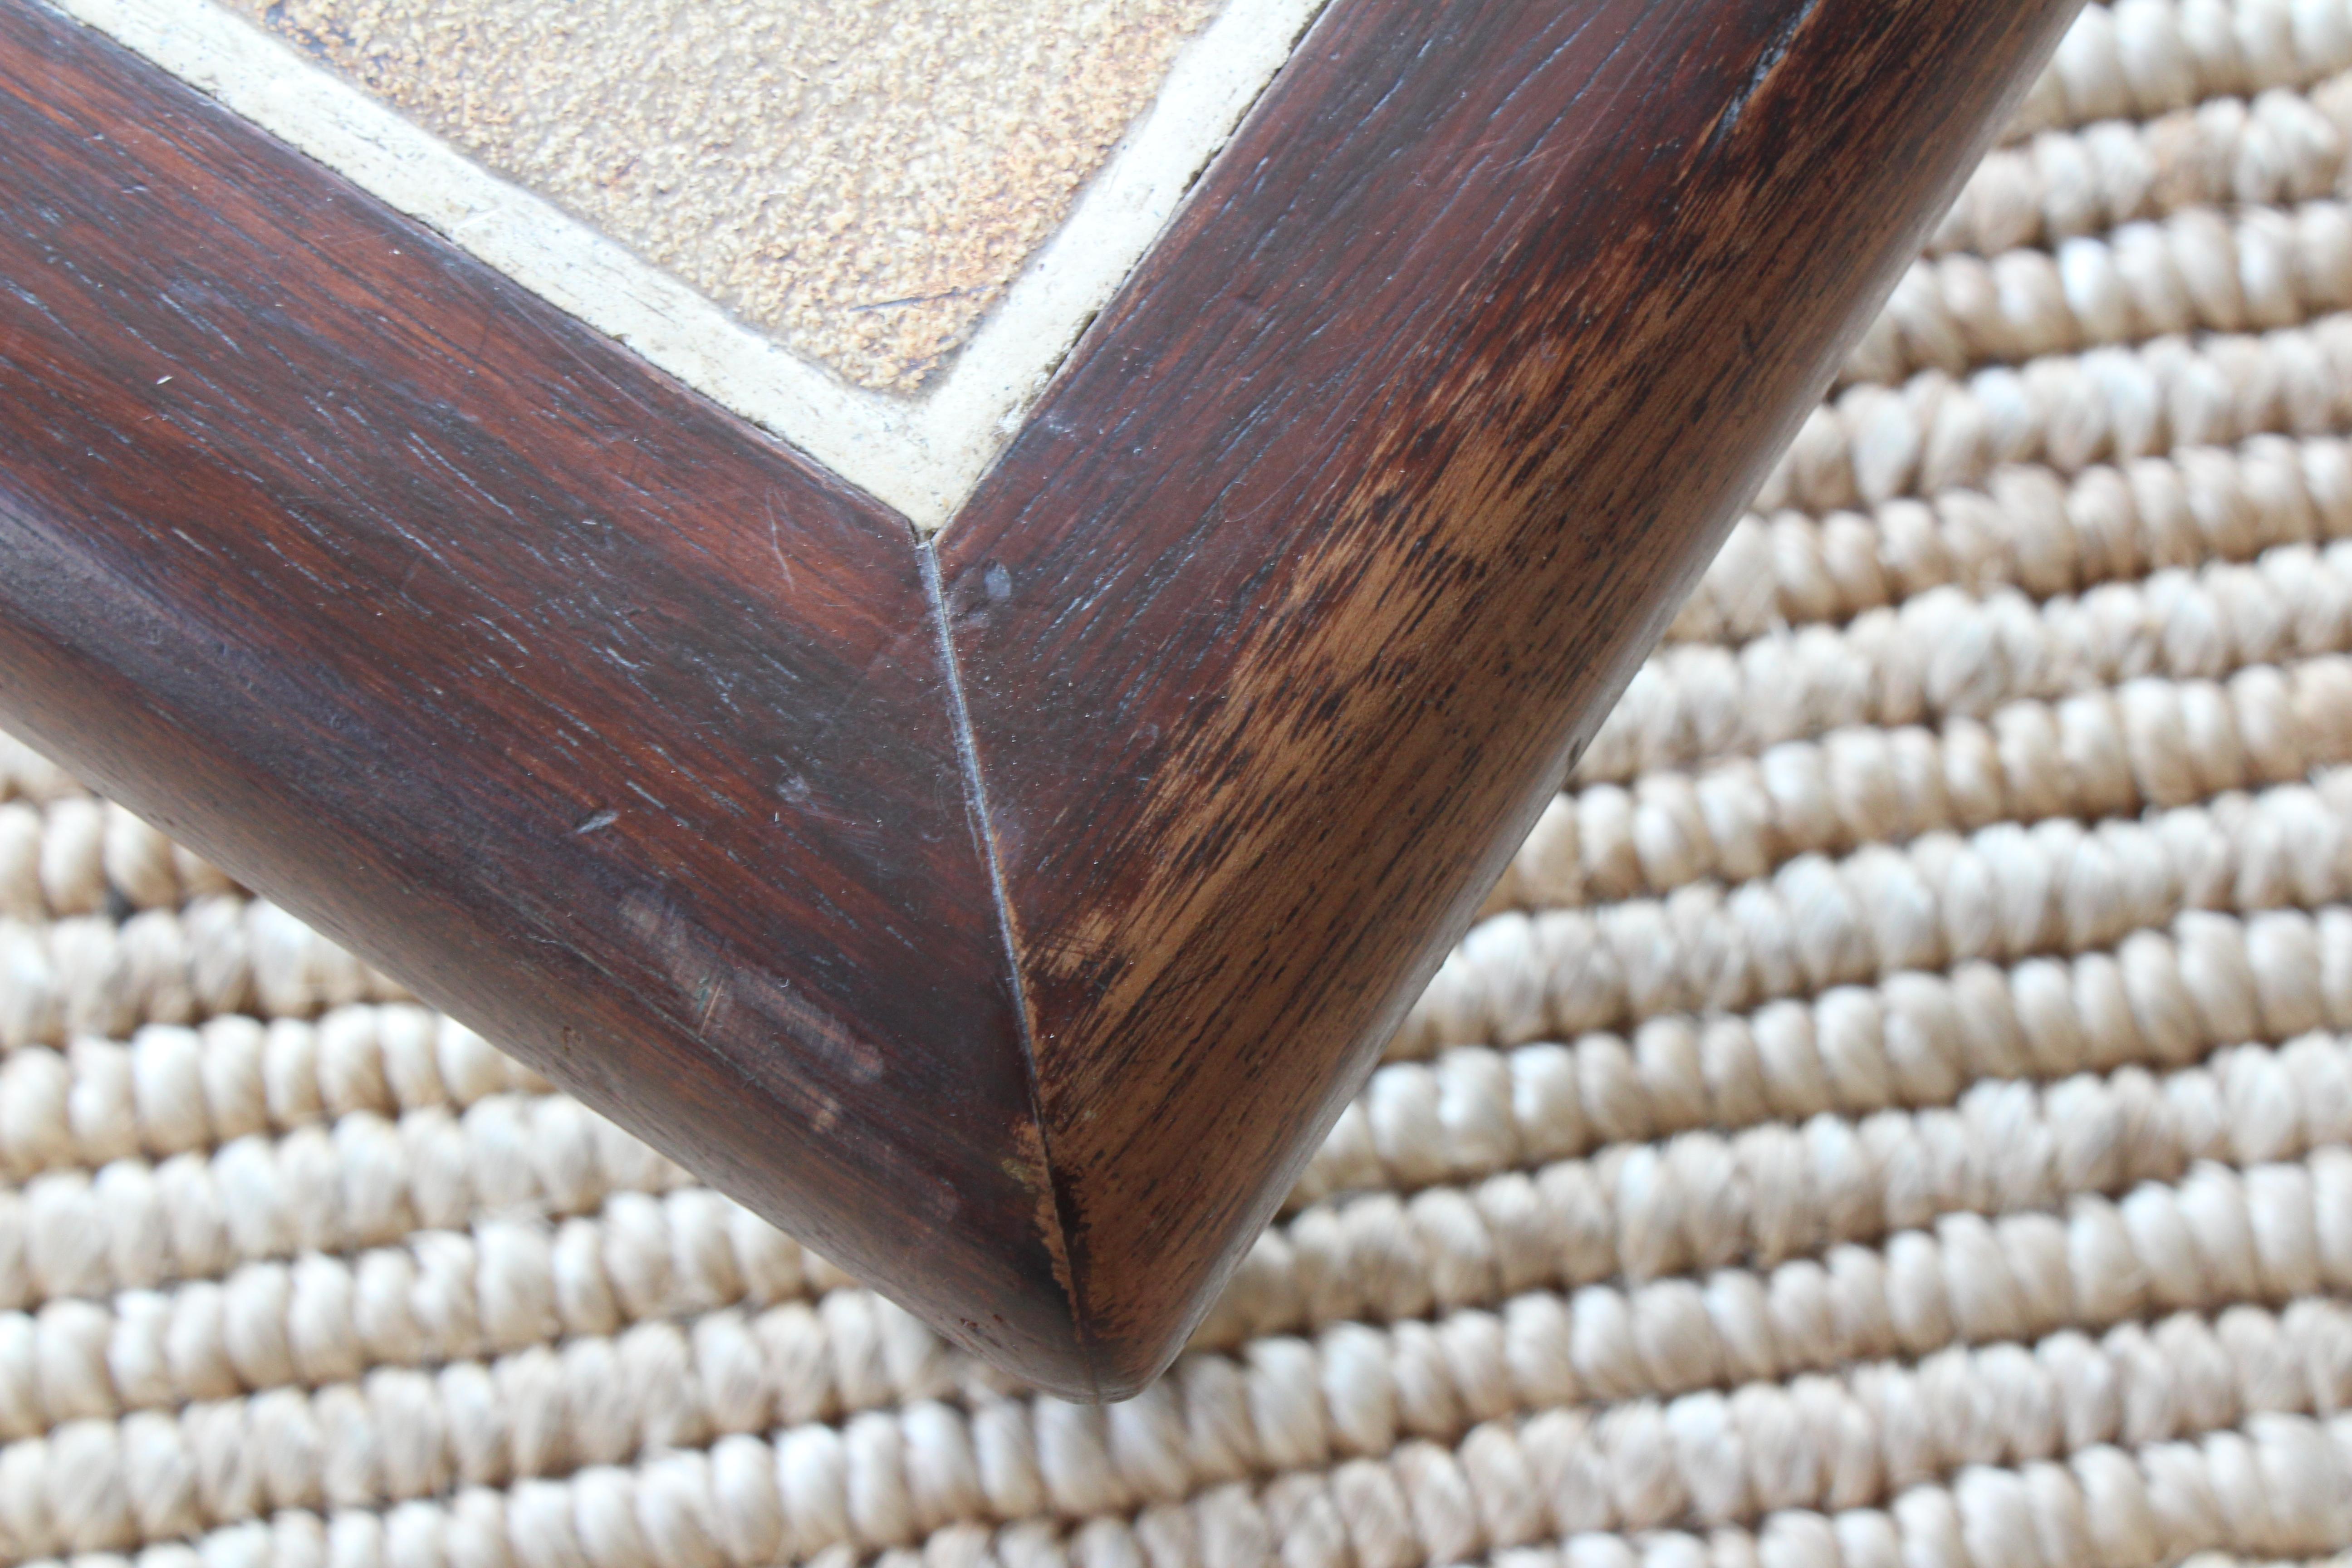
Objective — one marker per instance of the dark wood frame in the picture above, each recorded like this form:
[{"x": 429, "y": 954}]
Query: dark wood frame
[{"x": 1007, "y": 918}]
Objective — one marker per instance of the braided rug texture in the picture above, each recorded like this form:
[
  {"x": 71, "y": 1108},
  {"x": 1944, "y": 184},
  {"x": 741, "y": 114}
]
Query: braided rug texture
[{"x": 1896, "y": 1112}]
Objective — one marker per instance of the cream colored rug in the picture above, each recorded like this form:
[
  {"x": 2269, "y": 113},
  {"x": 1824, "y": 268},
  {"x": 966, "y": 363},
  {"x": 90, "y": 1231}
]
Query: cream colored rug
[{"x": 1894, "y": 1112}]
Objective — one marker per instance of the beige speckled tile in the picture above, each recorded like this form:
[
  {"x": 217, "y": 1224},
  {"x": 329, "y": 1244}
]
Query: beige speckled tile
[
  {"x": 872, "y": 226},
  {"x": 862, "y": 180}
]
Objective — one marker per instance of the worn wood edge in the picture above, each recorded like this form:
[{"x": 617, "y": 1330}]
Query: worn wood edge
[
  {"x": 1169, "y": 822},
  {"x": 250, "y": 630},
  {"x": 1075, "y": 1375}
]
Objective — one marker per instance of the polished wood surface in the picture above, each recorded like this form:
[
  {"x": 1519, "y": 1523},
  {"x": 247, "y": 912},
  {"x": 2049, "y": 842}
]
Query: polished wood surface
[
  {"x": 610, "y": 726},
  {"x": 1305, "y": 582},
  {"x": 1007, "y": 921}
]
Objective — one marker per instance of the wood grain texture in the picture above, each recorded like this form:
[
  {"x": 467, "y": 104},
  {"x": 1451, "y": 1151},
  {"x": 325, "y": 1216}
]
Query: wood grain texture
[
  {"x": 1347, "y": 521},
  {"x": 615, "y": 729},
  {"x": 1021, "y": 981}
]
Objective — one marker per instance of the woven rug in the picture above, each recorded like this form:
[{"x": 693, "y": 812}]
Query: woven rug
[{"x": 1894, "y": 1111}]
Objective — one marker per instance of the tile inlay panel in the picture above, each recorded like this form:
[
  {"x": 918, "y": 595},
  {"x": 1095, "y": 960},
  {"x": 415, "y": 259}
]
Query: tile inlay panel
[
  {"x": 862, "y": 181},
  {"x": 872, "y": 228}
]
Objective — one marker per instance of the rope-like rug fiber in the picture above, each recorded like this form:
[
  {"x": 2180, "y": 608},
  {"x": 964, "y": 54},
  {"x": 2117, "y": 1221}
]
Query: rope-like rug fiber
[{"x": 1897, "y": 1110}]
